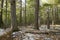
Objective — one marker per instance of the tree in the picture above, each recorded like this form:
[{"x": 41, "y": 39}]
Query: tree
[
  {"x": 48, "y": 18},
  {"x": 13, "y": 15},
  {"x": 25, "y": 14},
  {"x": 48, "y": 12},
  {"x": 6, "y": 14},
  {"x": 56, "y": 14},
  {"x": 20, "y": 12},
  {"x": 1, "y": 22},
  {"x": 52, "y": 16},
  {"x": 36, "y": 13}
]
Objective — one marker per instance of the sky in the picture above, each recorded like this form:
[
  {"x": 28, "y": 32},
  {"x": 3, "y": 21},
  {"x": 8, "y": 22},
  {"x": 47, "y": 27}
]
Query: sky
[
  {"x": 23, "y": 0},
  {"x": 41, "y": 0},
  {"x": 44, "y": 1}
]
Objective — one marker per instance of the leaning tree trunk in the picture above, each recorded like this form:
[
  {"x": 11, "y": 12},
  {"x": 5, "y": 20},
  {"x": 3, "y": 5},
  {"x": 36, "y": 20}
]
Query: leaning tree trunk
[
  {"x": 13, "y": 15},
  {"x": 1, "y": 22},
  {"x": 36, "y": 13}
]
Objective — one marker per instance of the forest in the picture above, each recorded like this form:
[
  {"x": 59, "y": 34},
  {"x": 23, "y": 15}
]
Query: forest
[{"x": 29, "y": 19}]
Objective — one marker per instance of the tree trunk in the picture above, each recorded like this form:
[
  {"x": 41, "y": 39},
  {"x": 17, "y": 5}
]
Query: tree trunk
[
  {"x": 36, "y": 13},
  {"x": 56, "y": 15},
  {"x": 6, "y": 14},
  {"x": 1, "y": 22},
  {"x": 48, "y": 18},
  {"x": 20, "y": 12},
  {"x": 52, "y": 16},
  {"x": 13, "y": 15},
  {"x": 25, "y": 15}
]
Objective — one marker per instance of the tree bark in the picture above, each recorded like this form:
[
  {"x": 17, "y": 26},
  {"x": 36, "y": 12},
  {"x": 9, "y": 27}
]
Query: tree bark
[
  {"x": 52, "y": 16},
  {"x": 36, "y": 13},
  {"x": 6, "y": 14},
  {"x": 13, "y": 15},
  {"x": 48, "y": 18},
  {"x": 20, "y": 12},
  {"x": 25, "y": 15},
  {"x": 56, "y": 15},
  {"x": 1, "y": 22}
]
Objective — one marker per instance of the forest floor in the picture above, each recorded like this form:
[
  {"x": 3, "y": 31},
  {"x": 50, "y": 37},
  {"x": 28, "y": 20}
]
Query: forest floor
[{"x": 31, "y": 34}]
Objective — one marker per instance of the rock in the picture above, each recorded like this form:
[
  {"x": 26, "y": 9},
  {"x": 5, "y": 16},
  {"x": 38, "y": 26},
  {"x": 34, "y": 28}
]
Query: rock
[
  {"x": 2, "y": 31},
  {"x": 5, "y": 34}
]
